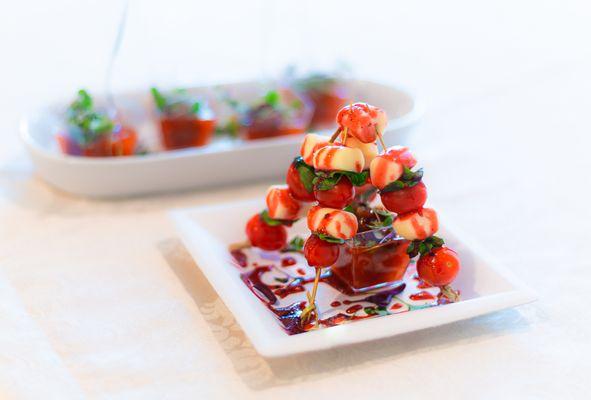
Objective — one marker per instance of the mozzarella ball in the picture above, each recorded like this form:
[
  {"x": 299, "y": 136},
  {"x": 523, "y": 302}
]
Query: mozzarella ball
[
  {"x": 281, "y": 205},
  {"x": 311, "y": 143},
  {"x": 369, "y": 150},
  {"x": 389, "y": 166},
  {"x": 332, "y": 222},
  {"x": 339, "y": 158},
  {"x": 417, "y": 225}
]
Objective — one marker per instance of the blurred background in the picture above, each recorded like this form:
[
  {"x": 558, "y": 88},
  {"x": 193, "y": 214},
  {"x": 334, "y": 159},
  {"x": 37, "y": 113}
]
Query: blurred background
[{"x": 449, "y": 52}]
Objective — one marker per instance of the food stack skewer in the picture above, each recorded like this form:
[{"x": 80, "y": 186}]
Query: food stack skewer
[{"x": 322, "y": 184}]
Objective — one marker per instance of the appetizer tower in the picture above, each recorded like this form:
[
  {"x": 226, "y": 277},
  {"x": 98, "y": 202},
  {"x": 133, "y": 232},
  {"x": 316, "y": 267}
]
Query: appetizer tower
[{"x": 333, "y": 182}]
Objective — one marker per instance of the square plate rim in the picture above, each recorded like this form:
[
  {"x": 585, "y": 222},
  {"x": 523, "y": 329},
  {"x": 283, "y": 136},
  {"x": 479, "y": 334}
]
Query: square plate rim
[{"x": 346, "y": 334}]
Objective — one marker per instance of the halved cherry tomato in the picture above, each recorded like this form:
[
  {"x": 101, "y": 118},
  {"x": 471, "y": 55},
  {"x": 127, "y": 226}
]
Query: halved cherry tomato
[
  {"x": 265, "y": 236},
  {"x": 439, "y": 267}
]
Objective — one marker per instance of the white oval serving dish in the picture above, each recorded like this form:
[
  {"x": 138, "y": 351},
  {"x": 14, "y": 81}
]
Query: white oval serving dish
[{"x": 221, "y": 163}]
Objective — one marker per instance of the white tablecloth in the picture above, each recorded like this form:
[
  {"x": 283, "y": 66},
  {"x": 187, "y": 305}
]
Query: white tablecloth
[{"x": 99, "y": 299}]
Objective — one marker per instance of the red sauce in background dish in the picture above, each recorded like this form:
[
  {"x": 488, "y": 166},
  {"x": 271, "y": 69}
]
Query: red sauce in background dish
[
  {"x": 327, "y": 104},
  {"x": 121, "y": 142},
  {"x": 180, "y": 132}
]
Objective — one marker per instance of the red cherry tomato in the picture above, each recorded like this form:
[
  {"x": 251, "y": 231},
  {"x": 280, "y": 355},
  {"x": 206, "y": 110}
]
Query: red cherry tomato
[
  {"x": 296, "y": 187},
  {"x": 265, "y": 236},
  {"x": 439, "y": 267},
  {"x": 405, "y": 200},
  {"x": 361, "y": 120},
  {"x": 320, "y": 253},
  {"x": 340, "y": 196}
]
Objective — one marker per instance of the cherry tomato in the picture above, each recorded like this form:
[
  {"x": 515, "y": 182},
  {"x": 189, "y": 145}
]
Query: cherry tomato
[
  {"x": 439, "y": 267},
  {"x": 320, "y": 253},
  {"x": 362, "y": 121},
  {"x": 340, "y": 196},
  {"x": 265, "y": 236},
  {"x": 405, "y": 200},
  {"x": 296, "y": 187}
]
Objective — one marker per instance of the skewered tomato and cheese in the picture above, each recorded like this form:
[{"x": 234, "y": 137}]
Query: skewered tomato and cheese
[
  {"x": 312, "y": 142},
  {"x": 299, "y": 190},
  {"x": 363, "y": 121},
  {"x": 337, "y": 157},
  {"x": 281, "y": 205},
  {"x": 325, "y": 173},
  {"x": 389, "y": 166}
]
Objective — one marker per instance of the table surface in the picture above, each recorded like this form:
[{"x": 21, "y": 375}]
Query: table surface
[{"x": 99, "y": 299}]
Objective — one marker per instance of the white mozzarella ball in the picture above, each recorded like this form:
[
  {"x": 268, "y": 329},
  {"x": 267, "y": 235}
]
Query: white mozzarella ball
[
  {"x": 339, "y": 158},
  {"x": 332, "y": 222},
  {"x": 311, "y": 143},
  {"x": 369, "y": 150},
  {"x": 417, "y": 225},
  {"x": 281, "y": 205}
]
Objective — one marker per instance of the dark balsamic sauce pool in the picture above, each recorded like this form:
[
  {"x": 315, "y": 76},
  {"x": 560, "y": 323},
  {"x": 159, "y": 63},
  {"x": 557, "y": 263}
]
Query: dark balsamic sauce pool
[{"x": 348, "y": 309}]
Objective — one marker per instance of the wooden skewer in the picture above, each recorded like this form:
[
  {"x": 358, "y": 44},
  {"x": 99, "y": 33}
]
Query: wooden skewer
[
  {"x": 345, "y": 133},
  {"x": 315, "y": 287},
  {"x": 312, "y": 299},
  {"x": 381, "y": 139},
  {"x": 335, "y": 135}
]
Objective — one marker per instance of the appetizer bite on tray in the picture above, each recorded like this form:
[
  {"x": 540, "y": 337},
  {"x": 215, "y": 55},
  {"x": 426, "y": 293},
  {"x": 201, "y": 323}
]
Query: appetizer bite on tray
[
  {"x": 93, "y": 133},
  {"x": 327, "y": 94},
  {"x": 370, "y": 232},
  {"x": 184, "y": 120},
  {"x": 278, "y": 113}
]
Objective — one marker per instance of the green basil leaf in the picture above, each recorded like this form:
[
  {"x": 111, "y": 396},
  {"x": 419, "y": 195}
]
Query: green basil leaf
[
  {"x": 196, "y": 107},
  {"x": 350, "y": 209},
  {"x": 407, "y": 174},
  {"x": 413, "y": 248},
  {"x": 268, "y": 220},
  {"x": 385, "y": 221},
  {"x": 356, "y": 178},
  {"x": 408, "y": 179},
  {"x": 329, "y": 239},
  {"x": 272, "y": 98},
  {"x": 306, "y": 174},
  {"x": 393, "y": 187},
  {"x": 327, "y": 183},
  {"x": 295, "y": 244},
  {"x": 100, "y": 124},
  {"x": 435, "y": 241},
  {"x": 159, "y": 99}
]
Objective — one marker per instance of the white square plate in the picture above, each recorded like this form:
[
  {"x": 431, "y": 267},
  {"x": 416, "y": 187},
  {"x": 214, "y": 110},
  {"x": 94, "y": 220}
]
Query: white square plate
[{"x": 208, "y": 231}]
